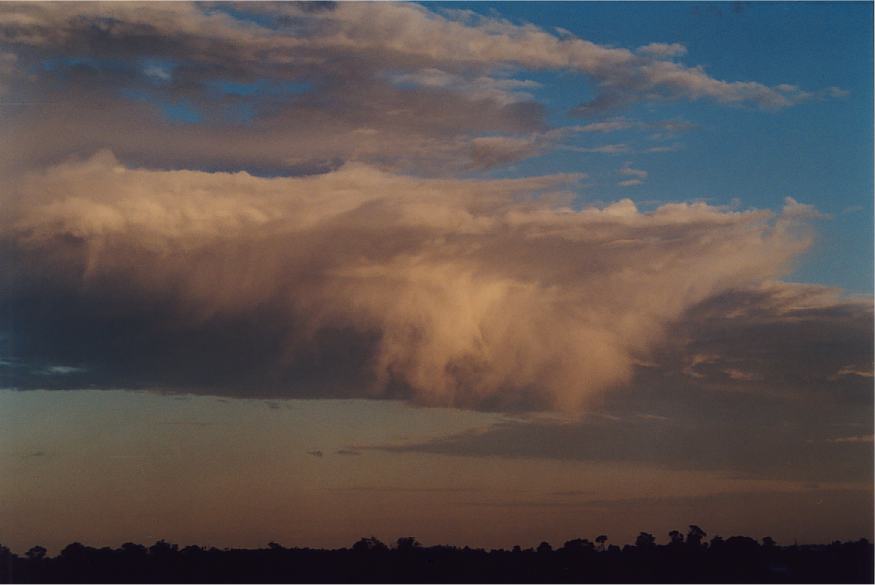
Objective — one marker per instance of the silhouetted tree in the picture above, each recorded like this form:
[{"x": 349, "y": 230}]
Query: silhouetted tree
[
  {"x": 163, "y": 549},
  {"x": 74, "y": 551},
  {"x": 544, "y": 548},
  {"x": 36, "y": 553},
  {"x": 407, "y": 543},
  {"x": 577, "y": 545},
  {"x": 193, "y": 549},
  {"x": 133, "y": 549},
  {"x": 369, "y": 545},
  {"x": 695, "y": 536},
  {"x": 645, "y": 541},
  {"x": 737, "y": 559},
  {"x": 675, "y": 538},
  {"x": 741, "y": 545},
  {"x": 601, "y": 539}
]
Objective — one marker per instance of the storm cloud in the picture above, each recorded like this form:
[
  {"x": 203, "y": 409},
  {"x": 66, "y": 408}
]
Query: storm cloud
[
  {"x": 357, "y": 254},
  {"x": 472, "y": 293}
]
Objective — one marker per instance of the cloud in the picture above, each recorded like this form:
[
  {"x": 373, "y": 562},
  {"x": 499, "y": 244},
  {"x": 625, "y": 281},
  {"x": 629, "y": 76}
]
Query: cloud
[
  {"x": 853, "y": 439},
  {"x": 406, "y": 282},
  {"x": 61, "y": 370},
  {"x": 663, "y": 50},
  {"x": 358, "y": 282},
  {"x": 394, "y": 85},
  {"x": 607, "y": 126},
  {"x": 744, "y": 387},
  {"x": 7, "y": 70},
  {"x": 490, "y": 151},
  {"x": 603, "y": 149},
  {"x": 637, "y": 176},
  {"x": 851, "y": 370},
  {"x": 666, "y": 148},
  {"x": 503, "y": 91}
]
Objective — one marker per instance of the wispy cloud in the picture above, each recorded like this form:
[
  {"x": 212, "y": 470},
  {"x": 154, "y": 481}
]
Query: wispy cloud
[
  {"x": 861, "y": 439},
  {"x": 663, "y": 49},
  {"x": 427, "y": 83},
  {"x": 636, "y": 176},
  {"x": 603, "y": 149}
]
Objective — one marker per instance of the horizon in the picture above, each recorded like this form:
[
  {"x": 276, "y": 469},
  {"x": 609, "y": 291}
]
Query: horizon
[
  {"x": 686, "y": 559},
  {"x": 407, "y": 542}
]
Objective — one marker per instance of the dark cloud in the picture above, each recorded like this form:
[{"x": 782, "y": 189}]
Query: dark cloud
[{"x": 765, "y": 403}]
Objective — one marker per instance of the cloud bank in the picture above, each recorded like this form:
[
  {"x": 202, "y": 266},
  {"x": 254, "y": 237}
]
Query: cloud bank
[
  {"x": 471, "y": 293},
  {"x": 353, "y": 254},
  {"x": 296, "y": 88}
]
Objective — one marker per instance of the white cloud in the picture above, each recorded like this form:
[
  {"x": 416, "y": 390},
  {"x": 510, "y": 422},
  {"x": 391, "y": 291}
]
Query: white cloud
[
  {"x": 663, "y": 50},
  {"x": 628, "y": 170}
]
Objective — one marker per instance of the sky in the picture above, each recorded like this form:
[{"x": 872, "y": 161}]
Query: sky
[{"x": 480, "y": 273}]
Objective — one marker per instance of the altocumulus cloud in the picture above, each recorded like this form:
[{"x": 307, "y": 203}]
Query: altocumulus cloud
[
  {"x": 269, "y": 84},
  {"x": 471, "y": 293}
]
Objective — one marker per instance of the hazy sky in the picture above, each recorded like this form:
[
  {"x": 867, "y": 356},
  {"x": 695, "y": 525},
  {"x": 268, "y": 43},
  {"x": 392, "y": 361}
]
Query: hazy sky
[{"x": 484, "y": 274}]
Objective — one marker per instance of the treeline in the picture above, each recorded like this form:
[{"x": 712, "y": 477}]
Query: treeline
[{"x": 683, "y": 559}]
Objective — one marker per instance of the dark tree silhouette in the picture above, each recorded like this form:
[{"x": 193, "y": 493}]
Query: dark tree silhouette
[
  {"x": 737, "y": 559},
  {"x": 645, "y": 541},
  {"x": 407, "y": 543},
  {"x": 371, "y": 544},
  {"x": 695, "y": 536},
  {"x": 544, "y": 548},
  {"x": 577, "y": 545},
  {"x": 36, "y": 553}
]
